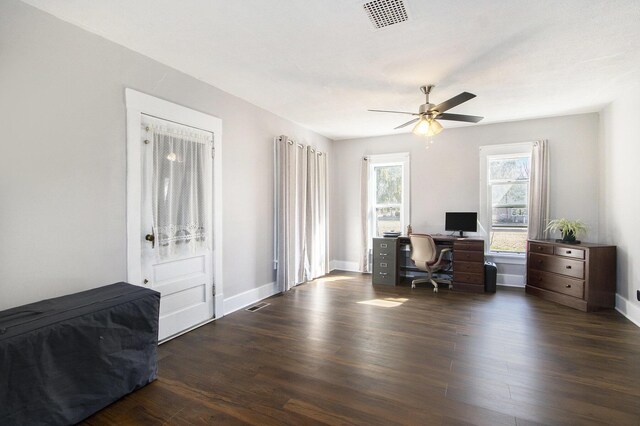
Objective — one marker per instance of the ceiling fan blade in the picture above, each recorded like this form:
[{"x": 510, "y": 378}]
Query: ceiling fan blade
[
  {"x": 395, "y": 112},
  {"x": 459, "y": 117},
  {"x": 407, "y": 123},
  {"x": 455, "y": 101}
]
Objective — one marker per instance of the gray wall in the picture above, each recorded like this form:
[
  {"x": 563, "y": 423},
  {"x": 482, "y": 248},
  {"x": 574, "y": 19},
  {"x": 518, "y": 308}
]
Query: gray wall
[
  {"x": 62, "y": 168},
  {"x": 445, "y": 177},
  {"x": 620, "y": 196}
]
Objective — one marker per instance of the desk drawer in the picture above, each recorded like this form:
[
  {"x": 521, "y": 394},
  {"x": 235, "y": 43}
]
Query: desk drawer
[
  {"x": 468, "y": 245},
  {"x": 467, "y": 277},
  {"x": 468, "y": 256},
  {"x": 472, "y": 267},
  {"x": 569, "y": 252},
  {"x": 540, "y": 248},
  {"x": 563, "y": 266},
  {"x": 557, "y": 283}
]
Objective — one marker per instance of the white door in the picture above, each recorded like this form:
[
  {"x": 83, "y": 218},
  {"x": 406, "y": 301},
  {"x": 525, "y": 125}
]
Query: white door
[{"x": 176, "y": 222}]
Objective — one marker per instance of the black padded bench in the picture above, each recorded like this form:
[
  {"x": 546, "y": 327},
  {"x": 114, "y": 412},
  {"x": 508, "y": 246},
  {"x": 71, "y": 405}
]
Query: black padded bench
[{"x": 63, "y": 359}]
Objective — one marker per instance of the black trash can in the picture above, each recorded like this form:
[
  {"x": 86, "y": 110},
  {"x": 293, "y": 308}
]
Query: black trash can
[{"x": 490, "y": 277}]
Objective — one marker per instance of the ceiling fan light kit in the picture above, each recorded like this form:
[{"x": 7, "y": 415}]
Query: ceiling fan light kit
[{"x": 427, "y": 125}]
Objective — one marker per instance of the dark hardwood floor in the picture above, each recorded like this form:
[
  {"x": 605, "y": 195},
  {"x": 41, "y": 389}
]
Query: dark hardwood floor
[{"x": 318, "y": 355}]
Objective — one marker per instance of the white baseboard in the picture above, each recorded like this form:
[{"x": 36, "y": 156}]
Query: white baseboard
[
  {"x": 249, "y": 297},
  {"x": 505, "y": 259},
  {"x": 343, "y": 265},
  {"x": 510, "y": 280},
  {"x": 628, "y": 309}
]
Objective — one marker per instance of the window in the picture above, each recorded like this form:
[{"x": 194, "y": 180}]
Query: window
[
  {"x": 389, "y": 193},
  {"x": 505, "y": 196}
]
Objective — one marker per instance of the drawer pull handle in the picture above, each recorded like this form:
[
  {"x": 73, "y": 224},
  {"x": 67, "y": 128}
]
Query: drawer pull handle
[
  {"x": 383, "y": 273},
  {"x": 540, "y": 261},
  {"x": 383, "y": 265},
  {"x": 383, "y": 254},
  {"x": 568, "y": 251},
  {"x": 383, "y": 245},
  {"x": 568, "y": 286},
  {"x": 568, "y": 266}
]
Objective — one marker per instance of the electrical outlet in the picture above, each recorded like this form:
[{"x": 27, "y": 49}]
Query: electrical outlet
[{"x": 638, "y": 295}]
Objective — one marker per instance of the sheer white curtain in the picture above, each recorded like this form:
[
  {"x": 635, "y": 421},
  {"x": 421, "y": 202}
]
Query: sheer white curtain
[
  {"x": 364, "y": 216},
  {"x": 179, "y": 201},
  {"x": 539, "y": 190},
  {"x": 316, "y": 253},
  {"x": 301, "y": 213}
]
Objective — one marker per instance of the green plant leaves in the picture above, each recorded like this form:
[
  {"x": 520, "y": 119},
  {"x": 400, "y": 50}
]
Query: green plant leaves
[{"x": 566, "y": 226}]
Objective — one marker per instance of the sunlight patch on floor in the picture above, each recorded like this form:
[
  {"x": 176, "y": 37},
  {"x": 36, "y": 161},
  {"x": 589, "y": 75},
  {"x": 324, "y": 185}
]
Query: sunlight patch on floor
[
  {"x": 334, "y": 278},
  {"x": 387, "y": 302}
]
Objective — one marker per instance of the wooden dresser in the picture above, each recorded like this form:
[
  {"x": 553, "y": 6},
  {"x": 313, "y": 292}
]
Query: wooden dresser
[
  {"x": 581, "y": 276},
  {"x": 468, "y": 265}
]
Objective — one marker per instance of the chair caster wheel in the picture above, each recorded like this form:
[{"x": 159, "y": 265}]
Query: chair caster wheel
[
  {"x": 450, "y": 286},
  {"x": 435, "y": 289},
  {"x": 413, "y": 286}
]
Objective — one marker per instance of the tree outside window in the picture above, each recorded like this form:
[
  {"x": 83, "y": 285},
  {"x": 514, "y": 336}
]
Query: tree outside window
[{"x": 387, "y": 206}]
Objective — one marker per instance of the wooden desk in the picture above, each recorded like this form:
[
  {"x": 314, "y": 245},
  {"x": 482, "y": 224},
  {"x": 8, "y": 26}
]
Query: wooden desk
[{"x": 392, "y": 262}]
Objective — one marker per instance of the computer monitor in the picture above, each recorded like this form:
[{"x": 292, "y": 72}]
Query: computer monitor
[{"x": 461, "y": 221}]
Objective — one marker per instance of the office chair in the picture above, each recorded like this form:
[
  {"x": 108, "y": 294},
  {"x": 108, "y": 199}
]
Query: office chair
[{"x": 426, "y": 257}]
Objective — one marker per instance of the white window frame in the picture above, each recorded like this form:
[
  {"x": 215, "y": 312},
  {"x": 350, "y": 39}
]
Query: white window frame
[
  {"x": 488, "y": 152},
  {"x": 400, "y": 159}
]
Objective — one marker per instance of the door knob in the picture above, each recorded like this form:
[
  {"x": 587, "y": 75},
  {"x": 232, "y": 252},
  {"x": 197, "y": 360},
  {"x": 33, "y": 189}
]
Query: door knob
[{"x": 150, "y": 237}]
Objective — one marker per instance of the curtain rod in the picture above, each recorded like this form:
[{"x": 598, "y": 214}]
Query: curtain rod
[
  {"x": 291, "y": 142},
  {"x": 175, "y": 122}
]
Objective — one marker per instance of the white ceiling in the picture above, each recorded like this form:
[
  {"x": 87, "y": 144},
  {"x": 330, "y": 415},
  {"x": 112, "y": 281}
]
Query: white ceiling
[{"x": 321, "y": 64}]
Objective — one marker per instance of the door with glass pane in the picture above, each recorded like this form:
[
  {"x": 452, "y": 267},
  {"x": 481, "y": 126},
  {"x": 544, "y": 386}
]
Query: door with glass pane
[{"x": 176, "y": 222}]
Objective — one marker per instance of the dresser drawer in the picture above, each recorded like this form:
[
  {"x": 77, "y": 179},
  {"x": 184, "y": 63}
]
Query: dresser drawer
[
  {"x": 472, "y": 267},
  {"x": 540, "y": 248},
  {"x": 563, "y": 266},
  {"x": 569, "y": 252},
  {"x": 468, "y": 256},
  {"x": 557, "y": 283},
  {"x": 467, "y": 277},
  {"x": 468, "y": 245}
]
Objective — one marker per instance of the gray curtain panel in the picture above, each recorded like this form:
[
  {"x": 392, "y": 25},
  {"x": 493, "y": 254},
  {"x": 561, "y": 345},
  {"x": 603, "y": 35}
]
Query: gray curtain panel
[
  {"x": 302, "y": 212},
  {"x": 316, "y": 230},
  {"x": 364, "y": 216},
  {"x": 539, "y": 190}
]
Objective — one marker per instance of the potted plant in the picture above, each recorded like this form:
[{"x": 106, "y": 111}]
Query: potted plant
[{"x": 569, "y": 229}]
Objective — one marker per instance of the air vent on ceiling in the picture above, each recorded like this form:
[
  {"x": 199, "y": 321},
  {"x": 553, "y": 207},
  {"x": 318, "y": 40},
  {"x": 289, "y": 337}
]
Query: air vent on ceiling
[{"x": 383, "y": 13}]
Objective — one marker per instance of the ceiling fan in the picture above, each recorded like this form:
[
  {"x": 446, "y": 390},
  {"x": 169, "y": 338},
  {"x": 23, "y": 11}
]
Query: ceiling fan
[{"x": 428, "y": 113}]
